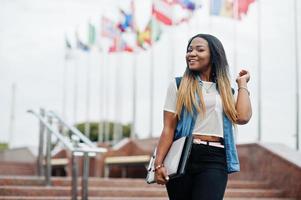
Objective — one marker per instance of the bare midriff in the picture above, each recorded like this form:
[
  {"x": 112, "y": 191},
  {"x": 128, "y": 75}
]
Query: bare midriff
[{"x": 209, "y": 138}]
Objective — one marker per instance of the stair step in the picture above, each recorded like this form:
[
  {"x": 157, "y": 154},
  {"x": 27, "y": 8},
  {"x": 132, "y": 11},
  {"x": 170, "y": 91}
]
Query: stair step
[
  {"x": 118, "y": 182},
  {"x": 121, "y": 198},
  {"x": 22, "y": 180},
  {"x": 124, "y": 191}
]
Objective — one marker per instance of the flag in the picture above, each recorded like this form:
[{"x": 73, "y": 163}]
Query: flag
[
  {"x": 114, "y": 47},
  {"x": 120, "y": 45},
  {"x": 91, "y": 34},
  {"x": 156, "y": 29},
  {"x": 151, "y": 34},
  {"x": 80, "y": 44},
  {"x": 162, "y": 11},
  {"x": 127, "y": 21},
  {"x": 67, "y": 43},
  {"x": 108, "y": 28},
  {"x": 144, "y": 37},
  {"x": 227, "y": 8},
  {"x": 222, "y": 8},
  {"x": 243, "y": 7},
  {"x": 68, "y": 47},
  {"x": 188, "y": 4}
]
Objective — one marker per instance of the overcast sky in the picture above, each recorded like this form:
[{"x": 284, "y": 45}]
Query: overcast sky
[{"x": 32, "y": 54}]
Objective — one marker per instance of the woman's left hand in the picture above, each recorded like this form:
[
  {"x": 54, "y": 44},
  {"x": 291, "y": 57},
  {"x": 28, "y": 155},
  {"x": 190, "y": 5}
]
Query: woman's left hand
[{"x": 243, "y": 75}]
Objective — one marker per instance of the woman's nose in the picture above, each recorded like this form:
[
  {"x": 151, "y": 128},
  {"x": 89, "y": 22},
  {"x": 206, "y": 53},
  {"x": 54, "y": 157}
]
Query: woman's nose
[{"x": 192, "y": 53}]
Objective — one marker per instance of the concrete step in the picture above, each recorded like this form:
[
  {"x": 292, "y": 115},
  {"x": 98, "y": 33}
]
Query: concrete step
[
  {"x": 122, "y": 198},
  {"x": 115, "y": 182},
  {"x": 124, "y": 191}
]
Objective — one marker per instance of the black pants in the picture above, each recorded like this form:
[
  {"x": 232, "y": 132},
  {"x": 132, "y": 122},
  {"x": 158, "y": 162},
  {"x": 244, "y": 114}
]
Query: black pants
[{"x": 206, "y": 175}]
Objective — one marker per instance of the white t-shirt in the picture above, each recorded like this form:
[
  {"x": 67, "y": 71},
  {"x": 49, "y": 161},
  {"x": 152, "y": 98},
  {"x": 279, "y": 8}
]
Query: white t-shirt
[{"x": 212, "y": 123}]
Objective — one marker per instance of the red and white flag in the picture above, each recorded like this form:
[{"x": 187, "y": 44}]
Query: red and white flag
[{"x": 162, "y": 10}]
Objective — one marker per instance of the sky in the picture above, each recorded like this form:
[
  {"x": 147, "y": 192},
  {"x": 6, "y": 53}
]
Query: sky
[{"x": 32, "y": 52}]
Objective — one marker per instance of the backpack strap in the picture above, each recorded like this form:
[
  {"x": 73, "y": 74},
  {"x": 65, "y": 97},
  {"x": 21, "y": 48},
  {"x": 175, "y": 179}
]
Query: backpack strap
[{"x": 178, "y": 81}]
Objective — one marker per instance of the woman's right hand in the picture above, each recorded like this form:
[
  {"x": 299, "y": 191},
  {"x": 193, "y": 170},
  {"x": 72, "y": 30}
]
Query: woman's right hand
[{"x": 161, "y": 176}]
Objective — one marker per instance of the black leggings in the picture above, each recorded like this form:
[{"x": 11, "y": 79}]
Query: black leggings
[{"x": 206, "y": 175}]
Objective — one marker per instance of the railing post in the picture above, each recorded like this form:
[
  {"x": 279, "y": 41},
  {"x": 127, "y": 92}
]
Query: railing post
[
  {"x": 85, "y": 177},
  {"x": 40, "y": 166},
  {"x": 48, "y": 154},
  {"x": 74, "y": 177}
]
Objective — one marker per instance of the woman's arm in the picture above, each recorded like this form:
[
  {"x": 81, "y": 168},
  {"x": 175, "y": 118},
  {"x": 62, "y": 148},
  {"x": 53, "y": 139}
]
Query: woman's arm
[
  {"x": 243, "y": 103},
  {"x": 166, "y": 138},
  {"x": 170, "y": 122}
]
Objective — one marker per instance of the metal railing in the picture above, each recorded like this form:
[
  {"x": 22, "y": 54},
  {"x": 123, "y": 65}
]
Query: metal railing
[{"x": 72, "y": 144}]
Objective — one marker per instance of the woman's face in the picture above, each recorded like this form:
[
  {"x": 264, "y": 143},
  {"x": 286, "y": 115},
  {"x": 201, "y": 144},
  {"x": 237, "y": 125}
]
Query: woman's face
[{"x": 198, "y": 55}]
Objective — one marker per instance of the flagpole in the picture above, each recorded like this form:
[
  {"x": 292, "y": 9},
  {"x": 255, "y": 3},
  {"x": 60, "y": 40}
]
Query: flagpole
[
  {"x": 117, "y": 99},
  {"x": 106, "y": 110},
  {"x": 259, "y": 108},
  {"x": 101, "y": 98},
  {"x": 64, "y": 95},
  {"x": 134, "y": 81},
  {"x": 236, "y": 16},
  {"x": 12, "y": 114},
  {"x": 235, "y": 67},
  {"x": 75, "y": 88},
  {"x": 151, "y": 90},
  {"x": 172, "y": 44},
  {"x": 150, "y": 135},
  {"x": 297, "y": 71},
  {"x": 211, "y": 4},
  {"x": 88, "y": 68}
]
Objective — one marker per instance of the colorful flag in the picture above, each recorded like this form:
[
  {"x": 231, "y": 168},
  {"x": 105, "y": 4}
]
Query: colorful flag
[
  {"x": 91, "y": 34},
  {"x": 162, "y": 11},
  {"x": 151, "y": 34},
  {"x": 188, "y": 4},
  {"x": 230, "y": 8},
  {"x": 127, "y": 21},
  {"x": 222, "y": 8},
  {"x": 120, "y": 45},
  {"x": 144, "y": 37},
  {"x": 156, "y": 29},
  {"x": 243, "y": 7},
  {"x": 108, "y": 28}
]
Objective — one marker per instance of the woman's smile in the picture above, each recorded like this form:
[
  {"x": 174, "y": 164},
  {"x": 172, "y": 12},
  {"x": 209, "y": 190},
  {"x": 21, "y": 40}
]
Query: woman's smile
[{"x": 192, "y": 61}]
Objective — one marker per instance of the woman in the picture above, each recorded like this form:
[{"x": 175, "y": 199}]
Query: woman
[{"x": 205, "y": 92}]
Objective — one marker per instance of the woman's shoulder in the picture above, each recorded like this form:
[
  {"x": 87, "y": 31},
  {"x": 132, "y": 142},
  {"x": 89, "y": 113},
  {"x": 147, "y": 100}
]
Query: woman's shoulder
[{"x": 172, "y": 84}]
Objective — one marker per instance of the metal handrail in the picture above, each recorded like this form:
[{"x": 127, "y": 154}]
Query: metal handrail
[
  {"x": 90, "y": 148},
  {"x": 48, "y": 126},
  {"x": 74, "y": 130}
]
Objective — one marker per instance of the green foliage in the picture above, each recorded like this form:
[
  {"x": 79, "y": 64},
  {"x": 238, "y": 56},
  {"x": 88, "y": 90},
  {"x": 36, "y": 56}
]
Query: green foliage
[
  {"x": 3, "y": 146},
  {"x": 126, "y": 129}
]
